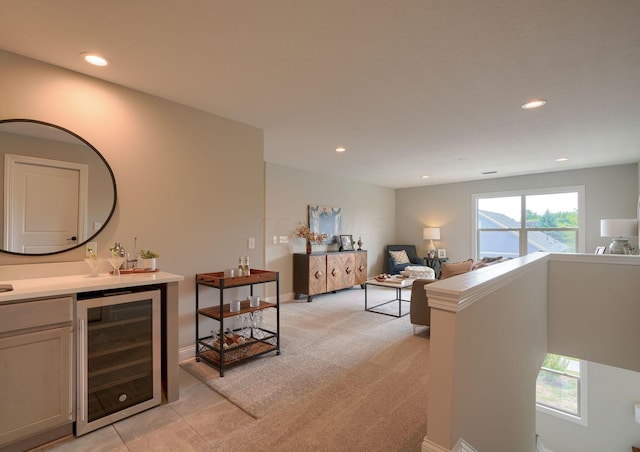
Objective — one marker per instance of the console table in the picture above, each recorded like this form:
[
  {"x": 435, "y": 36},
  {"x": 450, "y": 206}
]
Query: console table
[{"x": 318, "y": 273}]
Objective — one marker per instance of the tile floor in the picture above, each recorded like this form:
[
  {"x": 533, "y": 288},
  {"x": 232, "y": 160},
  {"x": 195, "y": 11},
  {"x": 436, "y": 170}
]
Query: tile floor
[{"x": 201, "y": 415}]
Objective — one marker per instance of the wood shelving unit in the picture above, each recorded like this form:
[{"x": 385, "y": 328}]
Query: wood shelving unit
[{"x": 223, "y": 351}]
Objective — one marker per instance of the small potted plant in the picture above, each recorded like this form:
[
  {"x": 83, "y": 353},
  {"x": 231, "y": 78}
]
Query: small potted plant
[{"x": 147, "y": 259}]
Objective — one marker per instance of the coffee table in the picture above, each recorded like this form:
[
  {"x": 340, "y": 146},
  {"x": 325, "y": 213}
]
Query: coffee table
[{"x": 393, "y": 283}]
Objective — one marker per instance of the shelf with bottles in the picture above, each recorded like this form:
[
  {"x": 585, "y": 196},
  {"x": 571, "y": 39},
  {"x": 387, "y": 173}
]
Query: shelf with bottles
[
  {"x": 220, "y": 280},
  {"x": 247, "y": 341}
]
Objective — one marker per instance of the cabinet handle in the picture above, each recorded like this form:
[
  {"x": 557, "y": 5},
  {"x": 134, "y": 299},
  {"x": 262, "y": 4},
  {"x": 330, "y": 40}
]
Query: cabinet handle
[
  {"x": 348, "y": 270},
  {"x": 317, "y": 274},
  {"x": 83, "y": 375},
  {"x": 360, "y": 268},
  {"x": 333, "y": 272}
]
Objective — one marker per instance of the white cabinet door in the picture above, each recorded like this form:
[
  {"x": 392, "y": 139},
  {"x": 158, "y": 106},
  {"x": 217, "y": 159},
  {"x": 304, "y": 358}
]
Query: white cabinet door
[{"x": 35, "y": 382}]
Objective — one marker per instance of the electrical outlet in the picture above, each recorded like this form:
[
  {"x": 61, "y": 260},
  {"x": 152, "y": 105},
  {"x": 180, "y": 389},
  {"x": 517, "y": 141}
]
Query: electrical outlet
[
  {"x": 251, "y": 243},
  {"x": 284, "y": 239},
  {"x": 93, "y": 246}
]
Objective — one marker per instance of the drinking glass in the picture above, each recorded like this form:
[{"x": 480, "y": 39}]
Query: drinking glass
[{"x": 116, "y": 262}]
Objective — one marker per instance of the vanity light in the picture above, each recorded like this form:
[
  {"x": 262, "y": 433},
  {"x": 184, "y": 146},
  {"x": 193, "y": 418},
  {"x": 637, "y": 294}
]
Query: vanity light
[
  {"x": 340, "y": 149},
  {"x": 95, "y": 59},
  {"x": 533, "y": 103}
]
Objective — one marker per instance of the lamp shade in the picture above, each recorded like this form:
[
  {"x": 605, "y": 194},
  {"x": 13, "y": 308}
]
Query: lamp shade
[
  {"x": 618, "y": 228},
  {"x": 431, "y": 233}
]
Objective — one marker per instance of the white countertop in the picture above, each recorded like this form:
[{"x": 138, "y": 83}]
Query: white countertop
[{"x": 64, "y": 285}]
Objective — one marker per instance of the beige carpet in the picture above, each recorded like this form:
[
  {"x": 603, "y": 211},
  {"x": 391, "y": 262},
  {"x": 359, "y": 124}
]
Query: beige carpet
[{"x": 346, "y": 380}]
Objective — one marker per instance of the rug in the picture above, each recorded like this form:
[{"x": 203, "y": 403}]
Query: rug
[{"x": 345, "y": 377}]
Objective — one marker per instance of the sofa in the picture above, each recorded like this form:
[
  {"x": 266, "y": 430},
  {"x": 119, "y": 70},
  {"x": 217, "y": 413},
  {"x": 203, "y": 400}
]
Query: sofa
[
  {"x": 401, "y": 256},
  {"x": 419, "y": 311}
]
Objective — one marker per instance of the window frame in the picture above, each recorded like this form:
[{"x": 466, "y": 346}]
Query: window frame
[
  {"x": 580, "y": 239},
  {"x": 581, "y": 418}
]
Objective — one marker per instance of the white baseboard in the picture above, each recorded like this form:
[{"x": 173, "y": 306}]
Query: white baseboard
[
  {"x": 186, "y": 353},
  {"x": 460, "y": 446}
]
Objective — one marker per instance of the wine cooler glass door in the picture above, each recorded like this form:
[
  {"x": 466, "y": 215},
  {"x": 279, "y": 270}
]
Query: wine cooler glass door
[{"x": 118, "y": 357}]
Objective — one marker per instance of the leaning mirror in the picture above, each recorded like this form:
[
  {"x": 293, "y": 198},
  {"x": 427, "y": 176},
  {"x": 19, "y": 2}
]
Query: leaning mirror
[{"x": 59, "y": 192}]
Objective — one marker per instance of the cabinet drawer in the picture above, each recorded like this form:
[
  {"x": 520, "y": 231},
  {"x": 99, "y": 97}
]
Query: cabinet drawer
[{"x": 33, "y": 314}]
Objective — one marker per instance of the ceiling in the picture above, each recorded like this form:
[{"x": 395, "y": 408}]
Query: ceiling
[{"x": 411, "y": 88}]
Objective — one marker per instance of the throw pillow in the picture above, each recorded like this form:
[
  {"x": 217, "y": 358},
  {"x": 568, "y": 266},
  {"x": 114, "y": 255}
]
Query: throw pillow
[
  {"x": 400, "y": 257},
  {"x": 456, "y": 268}
]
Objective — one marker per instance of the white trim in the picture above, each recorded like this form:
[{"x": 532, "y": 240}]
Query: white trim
[
  {"x": 186, "y": 353},
  {"x": 582, "y": 419},
  {"x": 460, "y": 292},
  {"x": 460, "y": 446},
  {"x": 608, "y": 259}
]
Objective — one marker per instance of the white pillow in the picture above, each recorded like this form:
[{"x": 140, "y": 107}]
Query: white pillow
[
  {"x": 400, "y": 257},
  {"x": 417, "y": 271}
]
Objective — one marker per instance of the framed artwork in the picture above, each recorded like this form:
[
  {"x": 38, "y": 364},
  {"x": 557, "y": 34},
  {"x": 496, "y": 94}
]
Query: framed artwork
[
  {"x": 442, "y": 253},
  {"x": 346, "y": 243},
  {"x": 600, "y": 249},
  {"x": 326, "y": 220}
]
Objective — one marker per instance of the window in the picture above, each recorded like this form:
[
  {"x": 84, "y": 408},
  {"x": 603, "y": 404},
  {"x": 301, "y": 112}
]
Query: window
[
  {"x": 518, "y": 223},
  {"x": 561, "y": 388}
]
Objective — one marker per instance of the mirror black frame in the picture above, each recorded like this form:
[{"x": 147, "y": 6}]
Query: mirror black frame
[{"x": 106, "y": 164}]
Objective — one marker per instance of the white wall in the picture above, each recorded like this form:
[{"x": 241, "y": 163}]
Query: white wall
[
  {"x": 611, "y": 394},
  {"x": 368, "y": 211},
  {"x": 190, "y": 184},
  {"x": 610, "y": 192}
]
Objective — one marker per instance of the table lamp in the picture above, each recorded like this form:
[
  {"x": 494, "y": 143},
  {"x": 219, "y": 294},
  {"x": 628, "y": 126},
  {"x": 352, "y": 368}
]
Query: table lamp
[
  {"x": 431, "y": 234},
  {"x": 619, "y": 230}
]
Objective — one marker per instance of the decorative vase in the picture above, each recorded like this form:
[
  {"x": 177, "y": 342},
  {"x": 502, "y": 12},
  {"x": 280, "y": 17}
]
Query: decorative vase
[{"x": 308, "y": 247}]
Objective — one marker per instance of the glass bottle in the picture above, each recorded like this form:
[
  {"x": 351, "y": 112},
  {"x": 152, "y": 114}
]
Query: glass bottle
[
  {"x": 245, "y": 270},
  {"x": 240, "y": 266}
]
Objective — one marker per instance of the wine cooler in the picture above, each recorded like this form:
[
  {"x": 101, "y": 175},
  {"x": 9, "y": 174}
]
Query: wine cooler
[{"x": 118, "y": 356}]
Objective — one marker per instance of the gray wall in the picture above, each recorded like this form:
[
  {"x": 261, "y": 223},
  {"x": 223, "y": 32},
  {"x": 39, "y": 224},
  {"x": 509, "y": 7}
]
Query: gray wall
[
  {"x": 368, "y": 211},
  {"x": 190, "y": 184},
  {"x": 610, "y": 192}
]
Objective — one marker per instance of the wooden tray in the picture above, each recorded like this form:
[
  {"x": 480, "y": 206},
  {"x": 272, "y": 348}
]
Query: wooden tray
[
  {"x": 217, "y": 279},
  {"x": 128, "y": 271}
]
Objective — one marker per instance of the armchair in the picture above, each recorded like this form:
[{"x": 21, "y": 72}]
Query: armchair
[{"x": 395, "y": 268}]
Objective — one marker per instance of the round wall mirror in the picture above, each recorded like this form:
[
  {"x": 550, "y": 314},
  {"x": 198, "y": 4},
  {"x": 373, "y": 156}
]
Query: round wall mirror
[{"x": 58, "y": 193}]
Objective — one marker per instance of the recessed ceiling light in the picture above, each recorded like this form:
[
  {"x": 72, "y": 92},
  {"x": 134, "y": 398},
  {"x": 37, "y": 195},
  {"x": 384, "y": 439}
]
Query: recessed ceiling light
[
  {"x": 562, "y": 159},
  {"x": 340, "y": 149},
  {"x": 425, "y": 177},
  {"x": 95, "y": 59},
  {"x": 533, "y": 103}
]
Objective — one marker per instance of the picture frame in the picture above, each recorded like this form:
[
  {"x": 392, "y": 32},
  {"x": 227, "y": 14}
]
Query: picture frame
[
  {"x": 442, "y": 253},
  {"x": 600, "y": 249},
  {"x": 325, "y": 220},
  {"x": 346, "y": 243}
]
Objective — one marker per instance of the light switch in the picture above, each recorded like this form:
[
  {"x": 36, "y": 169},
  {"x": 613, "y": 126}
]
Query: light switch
[
  {"x": 284, "y": 239},
  {"x": 275, "y": 239},
  {"x": 251, "y": 243}
]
